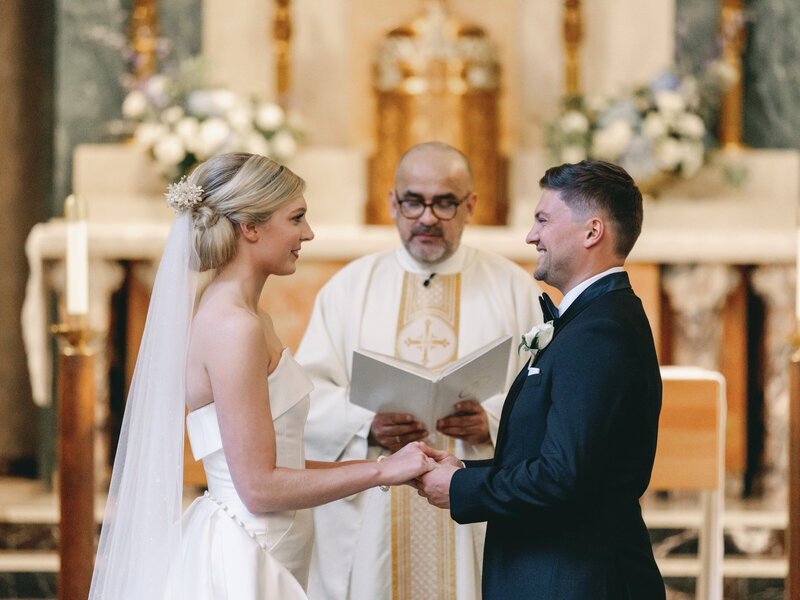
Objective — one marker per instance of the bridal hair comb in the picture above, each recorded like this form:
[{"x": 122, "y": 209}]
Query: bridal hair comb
[{"x": 183, "y": 196}]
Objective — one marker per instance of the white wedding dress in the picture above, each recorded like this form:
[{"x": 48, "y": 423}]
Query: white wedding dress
[{"x": 229, "y": 553}]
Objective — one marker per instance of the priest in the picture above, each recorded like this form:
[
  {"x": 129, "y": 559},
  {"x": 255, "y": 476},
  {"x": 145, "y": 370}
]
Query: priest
[{"x": 430, "y": 301}]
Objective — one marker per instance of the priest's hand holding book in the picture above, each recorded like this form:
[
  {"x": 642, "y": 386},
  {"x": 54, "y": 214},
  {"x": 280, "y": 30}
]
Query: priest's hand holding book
[
  {"x": 411, "y": 401},
  {"x": 394, "y": 430}
]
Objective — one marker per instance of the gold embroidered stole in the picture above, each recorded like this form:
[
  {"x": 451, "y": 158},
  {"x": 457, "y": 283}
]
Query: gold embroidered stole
[{"x": 423, "y": 536}]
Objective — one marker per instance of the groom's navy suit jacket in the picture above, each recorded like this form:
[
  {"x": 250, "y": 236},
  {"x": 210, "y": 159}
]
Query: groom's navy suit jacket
[{"x": 574, "y": 453}]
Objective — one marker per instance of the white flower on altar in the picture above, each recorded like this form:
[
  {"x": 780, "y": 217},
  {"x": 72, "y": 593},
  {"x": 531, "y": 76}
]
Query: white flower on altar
[
  {"x": 670, "y": 102},
  {"x": 574, "y": 121},
  {"x": 690, "y": 125},
  {"x": 537, "y": 338},
  {"x": 668, "y": 153},
  {"x": 169, "y": 150},
  {"x": 610, "y": 142},
  {"x": 283, "y": 145},
  {"x": 654, "y": 126},
  {"x": 180, "y": 122},
  {"x": 214, "y": 133},
  {"x": 134, "y": 105},
  {"x": 240, "y": 116},
  {"x": 211, "y": 102},
  {"x": 188, "y": 128},
  {"x": 650, "y": 128},
  {"x": 172, "y": 114},
  {"x": 148, "y": 133},
  {"x": 269, "y": 116}
]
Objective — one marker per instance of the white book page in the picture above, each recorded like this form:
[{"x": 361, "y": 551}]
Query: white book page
[{"x": 384, "y": 383}]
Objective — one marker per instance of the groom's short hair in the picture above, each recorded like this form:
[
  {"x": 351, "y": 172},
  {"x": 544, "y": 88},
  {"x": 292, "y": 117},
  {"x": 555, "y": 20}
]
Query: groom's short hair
[{"x": 596, "y": 185}]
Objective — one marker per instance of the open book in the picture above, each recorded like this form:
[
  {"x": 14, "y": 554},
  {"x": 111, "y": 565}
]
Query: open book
[{"x": 384, "y": 383}]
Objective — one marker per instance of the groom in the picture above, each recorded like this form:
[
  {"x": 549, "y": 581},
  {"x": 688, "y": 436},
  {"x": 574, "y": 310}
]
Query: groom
[{"x": 577, "y": 436}]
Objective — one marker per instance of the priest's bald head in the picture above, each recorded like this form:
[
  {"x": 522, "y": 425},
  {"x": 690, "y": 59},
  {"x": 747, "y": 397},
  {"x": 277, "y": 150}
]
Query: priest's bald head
[{"x": 432, "y": 200}]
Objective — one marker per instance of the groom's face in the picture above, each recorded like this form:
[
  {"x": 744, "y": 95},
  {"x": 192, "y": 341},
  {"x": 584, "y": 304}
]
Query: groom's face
[{"x": 558, "y": 236}]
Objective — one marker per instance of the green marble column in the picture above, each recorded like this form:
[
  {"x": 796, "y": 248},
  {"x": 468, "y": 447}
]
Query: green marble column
[
  {"x": 772, "y": 74},
  {"x": 771, "y": 60}
]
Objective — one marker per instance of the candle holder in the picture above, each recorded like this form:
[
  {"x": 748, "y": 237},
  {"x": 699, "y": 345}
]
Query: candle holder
[{"x": 76, "y": 457}]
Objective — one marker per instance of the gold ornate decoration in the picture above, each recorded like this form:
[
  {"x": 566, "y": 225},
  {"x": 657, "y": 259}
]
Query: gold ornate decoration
[
  {"x": 573, "y": 35},
  {"x": 733, "y": 38},
  {"x": 282, "y": 34},
  {"x": 438, "y": 79},
  {"x": 144, "y": 36}
]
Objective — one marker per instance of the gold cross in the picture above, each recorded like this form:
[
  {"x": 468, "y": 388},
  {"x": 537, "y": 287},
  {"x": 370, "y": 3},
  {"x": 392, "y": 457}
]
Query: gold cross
[{"x": 427, "y": 341}]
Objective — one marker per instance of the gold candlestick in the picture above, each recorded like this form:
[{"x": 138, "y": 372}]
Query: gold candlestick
[
  {"x": 573, "y": 34},
  {"x": 76, "y": 443},
  {"x": 144, "y": 36},
  {"x": 282, "y": 33},
  {"x": 732, "y": 34}
]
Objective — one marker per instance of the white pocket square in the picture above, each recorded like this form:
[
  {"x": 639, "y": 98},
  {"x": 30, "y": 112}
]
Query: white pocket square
[{"x": 533, "y": 370}]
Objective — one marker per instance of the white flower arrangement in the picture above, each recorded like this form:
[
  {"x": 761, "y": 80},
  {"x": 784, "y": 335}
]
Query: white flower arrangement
[
  {"x": 181, "y": 122},
  {"x": 649, "y": 129},
  {"x": 537, "y": 338}
]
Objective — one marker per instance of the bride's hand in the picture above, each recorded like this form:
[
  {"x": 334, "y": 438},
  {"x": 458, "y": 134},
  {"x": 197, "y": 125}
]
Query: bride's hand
[{"x": 406, "y": 464}]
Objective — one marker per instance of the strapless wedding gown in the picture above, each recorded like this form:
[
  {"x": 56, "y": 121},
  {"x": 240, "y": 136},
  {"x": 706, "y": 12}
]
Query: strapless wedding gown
[{"x": 228, "y": 552}]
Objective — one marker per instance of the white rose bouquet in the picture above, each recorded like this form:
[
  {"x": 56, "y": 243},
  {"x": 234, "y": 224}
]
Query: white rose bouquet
[
  {"x": 649, "y": 129},
  {"x": 180, "y": 121}
]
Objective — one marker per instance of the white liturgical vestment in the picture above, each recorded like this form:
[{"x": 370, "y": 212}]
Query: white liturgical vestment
[{"x": 363, "y": 307}]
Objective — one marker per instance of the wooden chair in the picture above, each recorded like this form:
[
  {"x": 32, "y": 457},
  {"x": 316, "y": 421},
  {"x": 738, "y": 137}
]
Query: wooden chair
[{"x": 691, "y": 456}]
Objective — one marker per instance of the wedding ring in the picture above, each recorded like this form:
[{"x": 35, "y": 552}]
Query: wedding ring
[{"x": 384, "y": 488}]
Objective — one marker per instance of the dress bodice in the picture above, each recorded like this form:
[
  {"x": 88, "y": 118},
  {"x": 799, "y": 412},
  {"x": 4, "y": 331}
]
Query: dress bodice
[{"x": 287, "y": 535}]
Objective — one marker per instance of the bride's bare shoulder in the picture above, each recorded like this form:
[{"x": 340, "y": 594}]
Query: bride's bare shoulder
[{"x": 223, "y": 323}]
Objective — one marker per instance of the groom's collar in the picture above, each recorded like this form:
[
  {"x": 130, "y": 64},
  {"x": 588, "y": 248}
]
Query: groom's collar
[
  {"x": 573, "y": 294},
  {"x": 608, "y": 283}
]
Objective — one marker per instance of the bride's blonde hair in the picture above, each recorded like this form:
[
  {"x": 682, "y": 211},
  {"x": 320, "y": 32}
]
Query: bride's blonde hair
[{"x": 236, "y": 188}]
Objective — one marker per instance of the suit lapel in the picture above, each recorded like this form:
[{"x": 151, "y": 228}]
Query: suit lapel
[{"x": 610, "y": 283}]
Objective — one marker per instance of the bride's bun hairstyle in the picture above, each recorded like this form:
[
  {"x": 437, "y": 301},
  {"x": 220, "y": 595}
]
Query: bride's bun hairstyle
[{"x": 228, "y": 190}]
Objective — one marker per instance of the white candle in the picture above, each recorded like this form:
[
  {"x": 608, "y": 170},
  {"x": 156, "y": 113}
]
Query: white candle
[
  {"x": 797, "y": 287},
  {"x": 77, "y": 257}
]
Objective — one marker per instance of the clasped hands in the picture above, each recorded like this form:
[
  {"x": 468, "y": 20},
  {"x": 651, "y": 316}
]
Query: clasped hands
[{"x": 433, "y": 471}]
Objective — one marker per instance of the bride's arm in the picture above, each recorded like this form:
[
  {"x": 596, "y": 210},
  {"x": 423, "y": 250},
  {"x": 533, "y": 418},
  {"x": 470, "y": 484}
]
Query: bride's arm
[{"x": 236, "y": 364}]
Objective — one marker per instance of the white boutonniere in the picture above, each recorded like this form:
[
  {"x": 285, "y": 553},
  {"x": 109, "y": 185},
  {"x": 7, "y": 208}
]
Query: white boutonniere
[{"x": 537, "y": 338}]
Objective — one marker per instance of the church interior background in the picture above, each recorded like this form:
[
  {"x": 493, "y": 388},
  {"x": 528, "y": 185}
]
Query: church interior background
[{"x": 359, "y": 81}]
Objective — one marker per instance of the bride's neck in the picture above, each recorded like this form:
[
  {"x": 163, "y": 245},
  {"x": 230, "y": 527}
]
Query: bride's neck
[{"x": 243, "y": 281}]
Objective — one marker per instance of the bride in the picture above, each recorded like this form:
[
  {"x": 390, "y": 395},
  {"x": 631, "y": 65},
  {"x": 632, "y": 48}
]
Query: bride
[{"x": 249, "y": 536}]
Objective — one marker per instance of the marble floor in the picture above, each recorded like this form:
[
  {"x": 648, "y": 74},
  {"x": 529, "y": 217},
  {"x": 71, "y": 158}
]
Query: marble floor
[{"x": 754, "y": 565}]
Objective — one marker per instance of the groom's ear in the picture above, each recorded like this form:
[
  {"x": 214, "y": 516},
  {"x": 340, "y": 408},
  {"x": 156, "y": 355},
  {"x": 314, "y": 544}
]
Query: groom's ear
[
  {"x": 248, "y": 231},
  {"x": 595, "y": 231}
]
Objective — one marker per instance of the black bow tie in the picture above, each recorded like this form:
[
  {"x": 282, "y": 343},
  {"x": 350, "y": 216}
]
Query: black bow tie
[{"x": 549, "y": 310}]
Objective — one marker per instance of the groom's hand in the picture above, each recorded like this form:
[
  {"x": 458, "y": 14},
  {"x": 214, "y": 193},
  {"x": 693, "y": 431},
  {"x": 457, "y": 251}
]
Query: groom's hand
[
  {"x": 468, "y": 423},
  {"x": 435, "y": 484}
]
